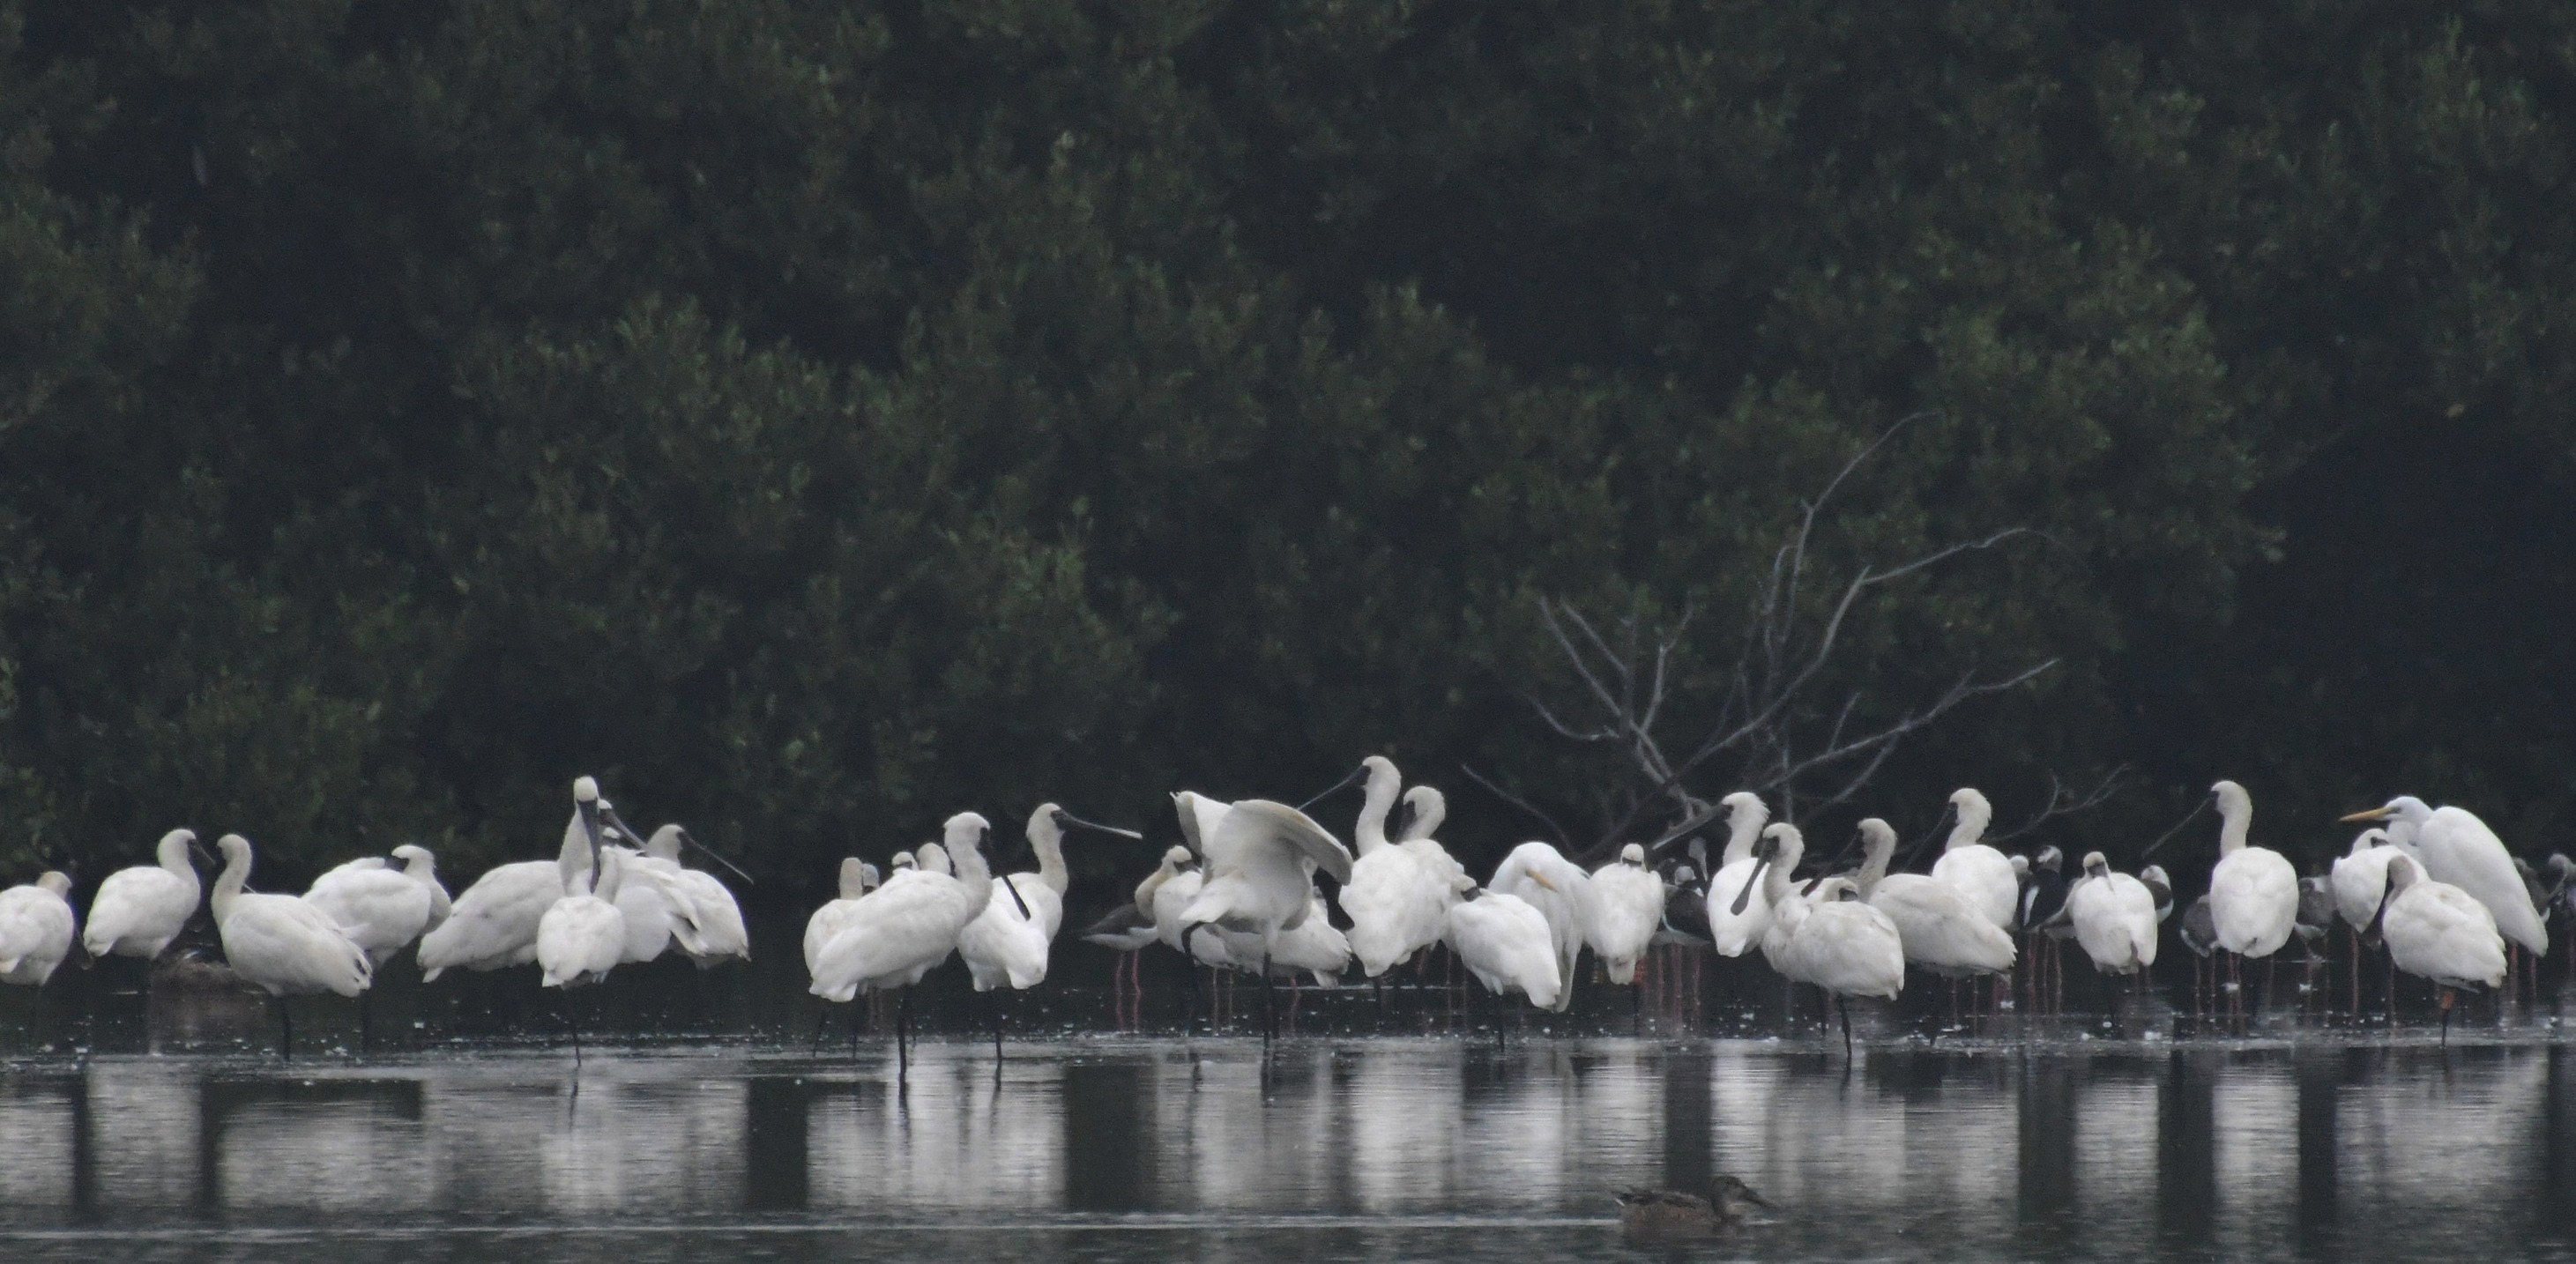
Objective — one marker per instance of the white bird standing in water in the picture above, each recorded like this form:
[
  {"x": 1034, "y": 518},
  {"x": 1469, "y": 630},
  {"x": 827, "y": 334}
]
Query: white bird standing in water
[
  {"x": 1396, "y": 908},
  {"x": 857, "y": 878},
  {"x": 493, "y": 925},
  {"x": 2439, "y": 932},
  {"x": 2457, "y": 849},
  {"x": 35, "y": 929},
  {"x": 1007, "y": 945},
  {"x": 2253, "y": 891},
  {"x": 1260, "y": 858},
  {"x": 1739, "y": 913},
  {"x": 383, "y": 903},
  {"x": 1941, "y": 931},
  {"x": 1562, "y": 892},
  {"x": 716, "y": 920},
  {"x": 1829, "y": 938},
  {"x": 282, "y": 944},
  {"x": 1628, "y": 908},
  {"x": 2114, "y": 916},
  {"x": 904, "y": 929},
  {"x": 138, "y": 911},
  {"x": 1505, "y": 943},
  {"x": 1980, "y": 872}
]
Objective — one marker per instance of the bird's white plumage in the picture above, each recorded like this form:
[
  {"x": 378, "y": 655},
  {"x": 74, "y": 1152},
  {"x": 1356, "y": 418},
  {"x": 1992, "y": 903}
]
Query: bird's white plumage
[
  {"x": 1259, "y": 856},
  {"x": 857, "y": 879},
  {"x": 714, "y": 929},
  {"x": 35, "y": 930},
  {"x": 1939, "y": 929},
  {"x": 1981, "y": 873},
  {"x": 493, "y": 925},
  {"x": 279, "y": 942},
  {"x": 2457, "y": 849},
  {"x": 1396, "y": 906},
  {"x": 1627, "y": 910},
  {"x": 1561, "y": 891},
  {"x": 2437, "y": 931},
  {"x": 2114, "y": 917},
  {"x": 583, "y": 935},
  {"x": 1507, "y": 945},
  {"x": 1842, "y": 945},
  {"x": 138, "y": 911},
  {"x": 1733, "y": 934},
  {"x": 382, "y": 907},
  {"x": 2359, "y": 878},
  {"x": 908, "y": 926},
  {"x": 1010, "y": 941},
  {"x": 2253, "y": 891}
]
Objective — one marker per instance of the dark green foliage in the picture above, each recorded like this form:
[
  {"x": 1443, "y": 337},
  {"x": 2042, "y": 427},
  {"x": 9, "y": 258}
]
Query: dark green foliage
[{"x": 816, "y": 418}]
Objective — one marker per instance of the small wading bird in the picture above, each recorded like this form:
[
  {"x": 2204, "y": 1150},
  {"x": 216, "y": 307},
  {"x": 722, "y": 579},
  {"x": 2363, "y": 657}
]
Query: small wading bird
[
  {"x": 281, "y": 944},
  {"x": 1128, "y": 929},
  {"x": 2359, "y": 880},
  {"x": 1627, "y": 910},
  {"x": 1665, "y": 1215},
  {"x": 1562, "y": 893},
  {"x": 2437, "y": 931},
  {"x": 1981, "y": 873},
  {"x": 384, "y": 903}
]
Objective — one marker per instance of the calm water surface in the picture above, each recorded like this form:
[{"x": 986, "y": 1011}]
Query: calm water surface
[{"x": 1363, "y": 1148}]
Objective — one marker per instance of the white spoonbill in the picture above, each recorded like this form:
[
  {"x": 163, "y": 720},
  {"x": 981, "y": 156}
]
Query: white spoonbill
[
  {"x": 904, "y": 929},
  {"x": 2437, "y": 931},
  {"x": 1396, "y": 908},
  {"x": 383, "y": 903},
  {"x": 35, "y": 929},
  {"x": 138, "y": 911},
  {"x": 1628, "y": 908},
  {"x": 719, "y": 935},
  {"x": 1830, "y": 937},
  {"x": 1941, "y": 931},
  {"x": 1260, "y": 856},
  {"x": 1424, "y": 810},
  {"x": 857, "y": 878},
  {"x": 2253, "y": 891},
  {"x": 1738, "y": 911},
  {"x": 282, "y": 944},
  {"x": 2458, "y": 849},
  {"x": 2114, "y": 916},
  {"x": 1505, "y": 943},
  {"x": 1007, "y": 945},
  {"x": 1980, "y": 872},
  {"x": 493, "y": 925},
  {"x": 1562, "y": 892}
]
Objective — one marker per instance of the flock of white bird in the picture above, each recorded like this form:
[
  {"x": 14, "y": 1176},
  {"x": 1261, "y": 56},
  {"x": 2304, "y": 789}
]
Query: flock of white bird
[{"x": 2436, "y": 885}]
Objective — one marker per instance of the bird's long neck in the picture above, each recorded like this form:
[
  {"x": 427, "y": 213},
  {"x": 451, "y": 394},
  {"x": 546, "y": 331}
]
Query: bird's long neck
[
  {"x": 174, "y": 857},
  {"x": 1873, "y": 862},
  {"x": 1971, "y": 829},
  {"x": 1049, "y": 845},
  {"x": 1743, "y": 826},
  {"x": 1370, "y": 833},
  {"x": 966, "y": 864},
  {"x": 236, "y": 872},
  {"x": 1775, "y": 880},
  {"x": 611, "y": 876},
  {"x": 1427, "y": 816},
  {"x": 2235, "y": 818},
  {"x": 574, "y": 860}
]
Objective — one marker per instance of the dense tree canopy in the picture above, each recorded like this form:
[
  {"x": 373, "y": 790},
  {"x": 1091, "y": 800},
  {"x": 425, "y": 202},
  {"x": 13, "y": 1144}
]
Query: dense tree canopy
[{"x": 815, "y": 418}]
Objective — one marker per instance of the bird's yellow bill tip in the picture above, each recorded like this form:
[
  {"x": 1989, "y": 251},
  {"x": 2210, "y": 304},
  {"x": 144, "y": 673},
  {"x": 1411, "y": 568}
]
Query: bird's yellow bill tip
[
  {"x": 1541, "y": 879},
  {"x": 2368, "y": 814}
]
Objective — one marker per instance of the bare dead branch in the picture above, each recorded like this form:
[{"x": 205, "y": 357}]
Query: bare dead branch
[
  {"x": 1562, "y": 838},
  {"x": 2061, "y": 803}
]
